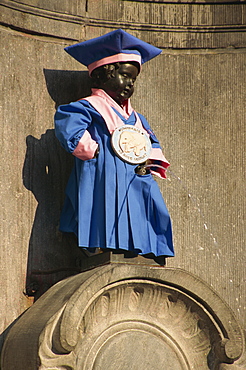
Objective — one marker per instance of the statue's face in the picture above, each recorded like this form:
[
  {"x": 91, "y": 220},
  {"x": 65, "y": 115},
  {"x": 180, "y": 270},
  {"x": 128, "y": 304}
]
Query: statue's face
[{"x": 120, "y": 85}]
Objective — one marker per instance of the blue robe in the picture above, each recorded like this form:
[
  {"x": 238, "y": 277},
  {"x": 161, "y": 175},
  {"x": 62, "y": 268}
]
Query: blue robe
[{"x": 107, "y": 204}]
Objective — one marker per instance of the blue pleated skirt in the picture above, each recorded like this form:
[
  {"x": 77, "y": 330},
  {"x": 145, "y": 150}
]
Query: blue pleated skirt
[{"x": 108, "y": 205}]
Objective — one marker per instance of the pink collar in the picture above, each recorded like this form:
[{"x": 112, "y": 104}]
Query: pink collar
[
  {"x": 125, "y": 111},
  {"x": 103, "y": 103}
]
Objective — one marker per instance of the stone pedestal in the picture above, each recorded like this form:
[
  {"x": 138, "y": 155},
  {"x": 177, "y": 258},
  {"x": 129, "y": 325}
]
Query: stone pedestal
[{"x": 122, "y": 315}]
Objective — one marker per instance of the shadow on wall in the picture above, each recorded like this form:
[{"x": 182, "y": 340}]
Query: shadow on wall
[
  {"x": 52, "y": 255},
  {"x": 67, "y": 86}
]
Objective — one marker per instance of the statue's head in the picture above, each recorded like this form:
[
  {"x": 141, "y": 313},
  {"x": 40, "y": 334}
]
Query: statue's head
[
  {"x": 116, "y": 79},
  {"x": 114, "y": 61}
]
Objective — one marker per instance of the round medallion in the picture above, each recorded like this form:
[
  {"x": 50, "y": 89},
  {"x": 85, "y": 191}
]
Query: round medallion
[{"x": 131, "y": 144}]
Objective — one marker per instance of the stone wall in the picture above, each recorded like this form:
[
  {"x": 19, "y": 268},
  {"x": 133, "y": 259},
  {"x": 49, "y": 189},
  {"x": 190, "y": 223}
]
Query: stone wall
[{"x": 194, "y": 97}]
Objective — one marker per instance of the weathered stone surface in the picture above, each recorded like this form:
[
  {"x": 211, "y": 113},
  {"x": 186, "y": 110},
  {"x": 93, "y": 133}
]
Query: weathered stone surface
[
  {"x": 172, "y": 24},
  {"x": 124, "y": 316}
]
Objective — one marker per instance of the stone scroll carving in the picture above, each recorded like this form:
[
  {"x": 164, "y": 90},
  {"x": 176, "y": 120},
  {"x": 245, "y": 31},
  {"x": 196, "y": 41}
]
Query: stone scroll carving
[
  {"x": 129, "y": 323},
  {"x": 131, "y": 317}
]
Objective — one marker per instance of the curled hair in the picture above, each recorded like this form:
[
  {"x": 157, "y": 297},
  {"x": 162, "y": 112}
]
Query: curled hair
[{"x": 101, "y": 74}]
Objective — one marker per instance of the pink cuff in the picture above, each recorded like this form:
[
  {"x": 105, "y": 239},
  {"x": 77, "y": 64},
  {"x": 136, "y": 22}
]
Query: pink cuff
[
  {"x": 86, "y": 147},
  {"x": 157, "y": 158}
]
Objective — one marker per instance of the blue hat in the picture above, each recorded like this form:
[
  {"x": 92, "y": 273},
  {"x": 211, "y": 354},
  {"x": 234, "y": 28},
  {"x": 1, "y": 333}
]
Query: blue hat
[{"x": 115, "y": 46}]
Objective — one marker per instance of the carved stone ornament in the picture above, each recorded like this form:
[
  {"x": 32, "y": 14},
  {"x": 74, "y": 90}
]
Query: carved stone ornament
[{"x": 124, "y": 317}]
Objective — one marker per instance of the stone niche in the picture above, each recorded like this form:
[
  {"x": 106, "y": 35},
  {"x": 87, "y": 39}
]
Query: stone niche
[{"x": 126, "y": 316}]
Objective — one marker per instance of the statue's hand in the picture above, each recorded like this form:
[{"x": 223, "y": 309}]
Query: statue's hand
[{"x": 97, "y": 152}]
